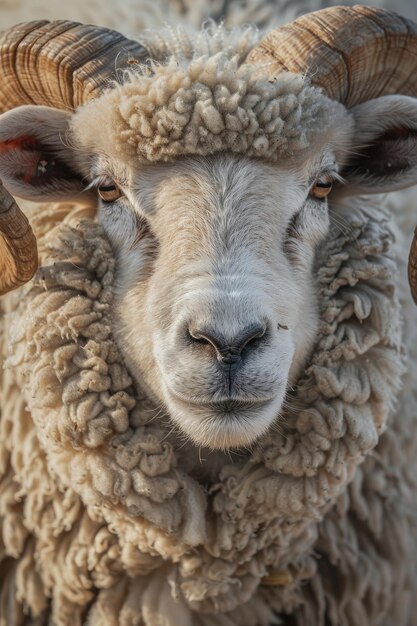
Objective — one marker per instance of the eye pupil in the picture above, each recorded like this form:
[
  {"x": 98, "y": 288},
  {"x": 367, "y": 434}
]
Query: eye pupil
[
  {"x": 322, "y": 187},
  {"x": 109, "y": 191}
]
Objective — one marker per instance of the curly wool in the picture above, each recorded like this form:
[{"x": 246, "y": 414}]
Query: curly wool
[
  {"x": 202, "y": 99},
  {"x": 108, "y": 528}
]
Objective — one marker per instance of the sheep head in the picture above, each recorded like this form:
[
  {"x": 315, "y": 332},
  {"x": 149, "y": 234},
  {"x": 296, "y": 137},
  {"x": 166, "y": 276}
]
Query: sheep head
[{"x": 212, "y": 179}]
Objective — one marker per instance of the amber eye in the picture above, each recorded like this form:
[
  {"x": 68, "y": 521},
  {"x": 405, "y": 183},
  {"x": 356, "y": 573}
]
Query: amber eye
[
  {"x": 108, "y": 190},
  {"x": 322, "y": 187}
]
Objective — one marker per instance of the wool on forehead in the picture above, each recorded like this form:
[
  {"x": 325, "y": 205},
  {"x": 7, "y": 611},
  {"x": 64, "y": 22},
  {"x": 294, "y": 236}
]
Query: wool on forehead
[{"x": 200, "y": 100}]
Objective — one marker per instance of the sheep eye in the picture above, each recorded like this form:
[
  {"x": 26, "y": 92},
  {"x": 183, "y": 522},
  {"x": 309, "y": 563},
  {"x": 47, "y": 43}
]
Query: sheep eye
[
  {"x": 109, "y": 191},
  {"x": 322, "y": 187}
]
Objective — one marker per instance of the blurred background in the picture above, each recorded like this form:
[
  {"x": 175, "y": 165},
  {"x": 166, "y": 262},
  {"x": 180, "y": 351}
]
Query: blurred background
[{"x": 132, "y": 16}]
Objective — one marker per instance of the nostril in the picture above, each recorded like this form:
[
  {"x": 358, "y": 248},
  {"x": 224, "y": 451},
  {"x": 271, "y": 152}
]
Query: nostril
[
  {"x": 251, "y": 335},
  {"x": 205, "y": 337},
  {"x": 229, "y": 350}
]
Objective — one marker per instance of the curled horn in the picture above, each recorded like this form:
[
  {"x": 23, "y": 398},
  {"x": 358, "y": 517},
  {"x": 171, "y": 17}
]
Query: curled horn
[
  {"x": 18, "y": 251},
  {"x": 412, "y": 267},
  {"x": 354, "y": 54},
  {"x": 59, "y": 64}
]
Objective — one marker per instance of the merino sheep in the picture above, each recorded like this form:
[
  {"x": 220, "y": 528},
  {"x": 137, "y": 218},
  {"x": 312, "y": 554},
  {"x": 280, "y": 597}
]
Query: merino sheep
[{"x": 206, "y": 415}]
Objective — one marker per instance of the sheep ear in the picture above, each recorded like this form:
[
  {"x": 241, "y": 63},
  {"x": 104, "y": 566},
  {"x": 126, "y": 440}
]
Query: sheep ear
[
  {"x": 36, "y": 161},
  {"x": 383, "y": 156}
]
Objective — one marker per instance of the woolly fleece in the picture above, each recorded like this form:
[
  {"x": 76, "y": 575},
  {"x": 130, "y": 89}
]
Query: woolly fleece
[
  {"x": 107, "y": 528},
  {"x": 204, "y": 99},
  {"x": 100, "y": 523}
]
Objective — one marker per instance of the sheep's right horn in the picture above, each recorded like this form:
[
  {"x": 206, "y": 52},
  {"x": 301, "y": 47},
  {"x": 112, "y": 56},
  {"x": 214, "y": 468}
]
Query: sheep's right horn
[
  {"x": 18, "y": 250},
  {"x": 61, "y": 64}
]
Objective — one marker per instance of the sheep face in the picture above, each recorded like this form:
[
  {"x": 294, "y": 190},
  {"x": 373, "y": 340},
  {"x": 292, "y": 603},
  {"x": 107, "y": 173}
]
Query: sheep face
[
  {"x": 214, "y": 296},
  {"x": 214, "y": 302}
]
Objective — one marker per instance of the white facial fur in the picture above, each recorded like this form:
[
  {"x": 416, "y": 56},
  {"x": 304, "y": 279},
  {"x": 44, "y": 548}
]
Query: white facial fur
[
  {"x": 218, "y": 243},
  {"x": 224, "y": 244}
]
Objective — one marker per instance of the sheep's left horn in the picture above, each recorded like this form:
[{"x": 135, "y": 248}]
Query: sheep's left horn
[
  {"x": 412, "y": 267},
  {"x": 18, "y": 250},
  {"x": 354, "y": 54}
]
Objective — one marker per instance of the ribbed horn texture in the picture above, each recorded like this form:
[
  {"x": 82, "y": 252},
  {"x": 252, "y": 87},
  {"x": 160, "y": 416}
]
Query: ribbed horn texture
[
  {"x": 18, "y": 250},
  {"x": 354, "y": 53},
  {"x": 61, "y": 64}
]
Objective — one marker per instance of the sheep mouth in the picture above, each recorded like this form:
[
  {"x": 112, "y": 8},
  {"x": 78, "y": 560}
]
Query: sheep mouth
[
  {"x": 227, "y": 423},
  {"x": 227, "y": 406},
  {"x": 232, "y": 406}
]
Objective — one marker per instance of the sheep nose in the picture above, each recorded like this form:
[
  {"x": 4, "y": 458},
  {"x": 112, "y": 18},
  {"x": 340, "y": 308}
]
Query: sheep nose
[{"x": 228, "y": 350}]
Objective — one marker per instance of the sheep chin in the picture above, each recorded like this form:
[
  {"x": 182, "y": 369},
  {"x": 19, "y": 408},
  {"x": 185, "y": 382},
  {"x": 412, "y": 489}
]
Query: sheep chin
[{"x": 212, "y": 427}]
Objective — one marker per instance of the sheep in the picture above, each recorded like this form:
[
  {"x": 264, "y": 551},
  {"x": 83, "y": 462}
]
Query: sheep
[{"x": 220, "y": 298}]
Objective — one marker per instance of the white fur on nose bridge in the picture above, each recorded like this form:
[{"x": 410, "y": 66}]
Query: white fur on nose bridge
[{"x": 208, "y": 101}]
